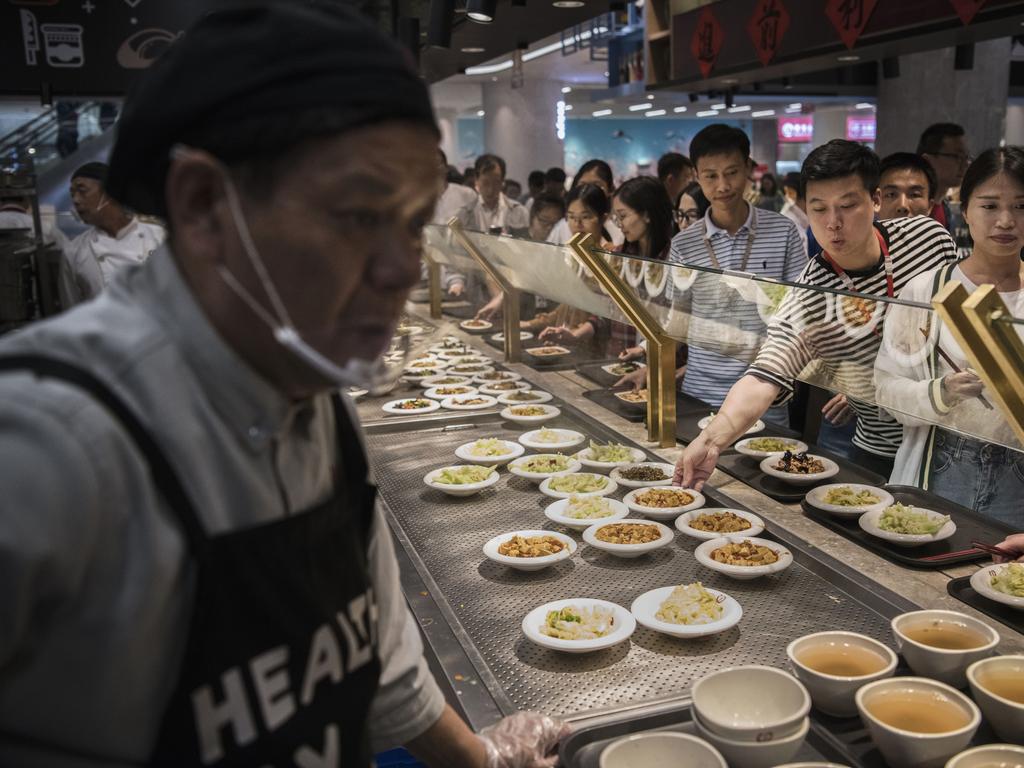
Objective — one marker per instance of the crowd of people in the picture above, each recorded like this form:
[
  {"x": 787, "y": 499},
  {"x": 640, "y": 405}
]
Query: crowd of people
[{"x": 849, "y": 221}]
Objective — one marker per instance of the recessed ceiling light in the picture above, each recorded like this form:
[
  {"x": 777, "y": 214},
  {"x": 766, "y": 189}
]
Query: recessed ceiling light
[
  {"x": 638, "y": 107},
  {"x": 730, "y": 81},
  {"x": 481, "y": 11},
  {"x": 568, "y": 3},
  {"x": 473, "y": 49},
  {"x": 739, "y": 109},
  {"x": 848, "y": 57},
  {"x": 677, "y": 110},
  {"x": 718, "y": 106},
  {"x": 650, "y": 96},
  {"x": 606, "y": 74},
  {"x": 566, "y": 89},
  {"x": 654, "y": 113},
  {"x": 864, "y": 105},
  {"x": 480, "y": 113},
  {"x": 494, "y": 79},
  {"x": 602, "y": 112},
  {"x": 763, "y": 113},
  {"x": 795, "y": 105},
  {"x": 568, "y": 107},
  {"x": 707, "y": 113}
]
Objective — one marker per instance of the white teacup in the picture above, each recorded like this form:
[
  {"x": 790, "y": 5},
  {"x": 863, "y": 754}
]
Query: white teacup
[
  {"x": 726, "y": 707},
  {"x": 752, "y": 754},
  {"x": 947, "y": 665},
  {"x": 831, "y": 693},
  {"x": 917, "y": 748},
  {"x": 1005, "y": 715},
  {"x": 1002, "y": 755}
]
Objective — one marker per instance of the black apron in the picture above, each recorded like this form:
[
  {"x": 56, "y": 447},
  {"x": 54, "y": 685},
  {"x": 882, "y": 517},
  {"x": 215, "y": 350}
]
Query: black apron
[{"x": 281, "y": 663}]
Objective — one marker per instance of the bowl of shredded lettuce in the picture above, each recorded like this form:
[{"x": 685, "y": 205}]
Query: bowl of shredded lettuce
[
  {"x": 907, "y": 526},
  {"x": 687, "y": 610},
  {"x": 540, "y": 466},
  {"x": 763, "y": 447},
  {"x": 548, "y": 439},
  {"x": 580, "y": 512},
  {"x": 578, "y": 625},
  {"x": 849, "y": 499},
  {"x": 604, "y": 457},
  {"x": 1002, "y": 583},
  {"x": 462, "y": 479},
  {"x": 578, "y": 484},
  {"x": 489, "y": 451}
]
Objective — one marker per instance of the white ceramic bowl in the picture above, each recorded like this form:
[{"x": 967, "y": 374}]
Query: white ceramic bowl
[
  {"x": 555, "y": 353},
  {"x": 442, "y": 381},
  {"x": 419, "y": 365},
  {"x": 469, "y": 369},
  {"x": 392, "y": 407},
  {"x": 869, "y": 524},
  {"x": 572, "y": 437},
  {"x": 628, "y": 550},
  {"x": 456, "y": 355},
  {"x": 981, "y": 582},
  {"x": 476, "y": 326},
  {"x": 812, "y": 765},
  {"x": 433, "y": 394},
  {"x": 541, "y": 397},
  {"x": 646, "y": 607},
  {"x": 624, "y": 622},
  {"x": 523, "y": 336},
  {"x": 768, "y": 467},
  {"x": 555, "y": 512},
  {"x": 471, "y": 358},
  {"x": 668, "y": 469},
  {"x": 834, "y": 694},
  {"x": 816, "y": 498},
  {"x": 516, "y": 468},
  {"x": 1006, "y": 716},
  {"x": 946, "y": 665},
  {"x": 465, "y": 452},
  {"x": 723, "y": 702},
  {"x": 499, "y": 392},
  {"x": 463, "y": 402},
  {"x": 909, "y": 749},
  {"x": 750, "y": 754},
  {"x": 659, "y": 749},
  {"x": 497, "y": 376},
  {"x": 683, "y": 523},
  {"x": 663, "y": 513},
  {"x": 355, "y": 392},
  {"x": 757, "y": 426},
  {"x": 529, "y": 563},
  {"x": 417, "y": 379},
  {"x": 742, "y": 446},
  {"x": 550, "y": 412},
  {"x": 989, "y": 756},
  {"x": 459, "y": 490},
  {"x": 609, "y": 487},
  {"x": 635, "y": 455},
  {"x": 610, "y": 369},
  {"x": 742, "y": 572}
]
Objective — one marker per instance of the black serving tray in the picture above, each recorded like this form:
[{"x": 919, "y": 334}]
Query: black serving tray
[
  {"x": 500, "y": 345},
  {"x": 593, "y": 372},
  {"x": 690, "y": 411},
  {"x": 607, "y": 399},
  {"x": 748, "y": 469},
  {"x": 962, "y": 590},
  {"x": 970, "y": 526},
  {"x": 460, "y": 310}
]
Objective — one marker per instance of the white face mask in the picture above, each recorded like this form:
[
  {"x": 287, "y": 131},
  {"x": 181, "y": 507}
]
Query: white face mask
[{"x": 377, "y": 375}]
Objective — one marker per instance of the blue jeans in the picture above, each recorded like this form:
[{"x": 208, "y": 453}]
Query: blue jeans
[
  {"x": 837, "y": 440},
  {"x": 987, "y": 478}
]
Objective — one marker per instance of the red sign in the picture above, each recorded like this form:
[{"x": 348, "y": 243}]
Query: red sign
[
  {"x": 707, "y": 41},
  {"x": 766, "y": 28},
  {"x": 797, "y": 129},
  {"x": 860, "y": 128},
  {"x": 967, "y": 9},
  {"x": 849, "y": 17}
]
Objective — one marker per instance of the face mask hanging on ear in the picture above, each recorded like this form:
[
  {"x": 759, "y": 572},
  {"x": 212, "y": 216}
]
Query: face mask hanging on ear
[{"x": 377, "y": 375}]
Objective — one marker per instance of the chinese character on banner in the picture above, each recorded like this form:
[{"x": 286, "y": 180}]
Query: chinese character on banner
[
  {"x": 707, "y": 41},
  {"x": 849, "y": 17},
  {"x": 766, "y": 27},
  {"x": 967, "y": 9}
]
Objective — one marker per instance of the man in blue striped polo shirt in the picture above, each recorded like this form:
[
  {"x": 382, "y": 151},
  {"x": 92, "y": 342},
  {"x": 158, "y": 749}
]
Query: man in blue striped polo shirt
[{"x": 726, "y": 328}]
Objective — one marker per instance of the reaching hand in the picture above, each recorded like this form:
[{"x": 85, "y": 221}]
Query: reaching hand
[
  {"x": 631, "y": 353},
  {"x": 961, "y": 386},
  {"x": 524, "y": 740},
  {"x": 456, "y": 289},
  {"x": 637, "y": 380},
  {"x": 696, "y": 464},
  {"x": 1013, "y": 543},
  {"x": 557, "y": 335},
  {"x": 838, "y": 411}
]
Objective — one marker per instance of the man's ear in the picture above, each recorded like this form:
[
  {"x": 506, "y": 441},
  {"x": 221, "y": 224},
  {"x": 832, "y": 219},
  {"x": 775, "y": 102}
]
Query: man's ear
[
  {"x": 197, "y": 209},
  {"x": 876, "y": 199}
]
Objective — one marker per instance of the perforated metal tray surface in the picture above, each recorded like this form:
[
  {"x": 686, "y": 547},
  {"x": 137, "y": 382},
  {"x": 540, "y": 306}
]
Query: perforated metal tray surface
[{"x": 486, "y": 602}]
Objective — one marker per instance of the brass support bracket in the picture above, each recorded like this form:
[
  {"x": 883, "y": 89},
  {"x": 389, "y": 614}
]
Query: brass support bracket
[
  {"x": 661, "y": 348},
  {"x": 513, "y": 345},
  {"x": 434, "y": 283}
]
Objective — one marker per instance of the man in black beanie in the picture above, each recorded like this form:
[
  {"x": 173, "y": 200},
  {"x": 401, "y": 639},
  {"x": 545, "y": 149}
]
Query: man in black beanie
[{"x": 193, "y": 568}]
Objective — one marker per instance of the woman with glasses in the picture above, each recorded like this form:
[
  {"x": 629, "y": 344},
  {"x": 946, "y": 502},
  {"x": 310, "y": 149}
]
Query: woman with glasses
[
  {"x": 691, "y": 205},
  {"x": 596, "y": 172}
]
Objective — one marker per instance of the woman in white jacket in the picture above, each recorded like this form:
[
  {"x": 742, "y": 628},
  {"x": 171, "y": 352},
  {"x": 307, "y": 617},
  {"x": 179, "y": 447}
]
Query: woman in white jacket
[{"x": 922, "y": 390}]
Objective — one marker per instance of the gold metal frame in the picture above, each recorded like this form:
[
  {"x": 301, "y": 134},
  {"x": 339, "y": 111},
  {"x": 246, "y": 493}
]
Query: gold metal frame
[
  {"x": 513, "y": 345},
  {"x": 661, "y": 348},
  {"x": 993, "y": 347},
  {"x": 434, "y": 285}
]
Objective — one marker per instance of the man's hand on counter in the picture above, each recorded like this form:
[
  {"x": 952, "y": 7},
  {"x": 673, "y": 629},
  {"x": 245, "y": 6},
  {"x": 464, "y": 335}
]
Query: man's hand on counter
[{"x": 1015, "y": 544}]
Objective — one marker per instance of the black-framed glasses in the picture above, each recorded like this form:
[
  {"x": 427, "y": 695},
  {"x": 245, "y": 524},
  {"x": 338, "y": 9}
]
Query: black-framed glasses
[{"x": 689, "y": 216}]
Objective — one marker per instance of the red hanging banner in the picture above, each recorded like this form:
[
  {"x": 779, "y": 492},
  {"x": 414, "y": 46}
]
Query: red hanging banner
[
  {"x": 849, "y": 17},
  {"x": 707, "y": 41},
  {"x": 766, "y": 28},
  {"x": 967, "y": 9}
]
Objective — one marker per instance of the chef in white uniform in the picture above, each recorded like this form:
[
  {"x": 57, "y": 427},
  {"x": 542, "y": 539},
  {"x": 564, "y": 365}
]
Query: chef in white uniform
[{"x": 116, "y": 238}]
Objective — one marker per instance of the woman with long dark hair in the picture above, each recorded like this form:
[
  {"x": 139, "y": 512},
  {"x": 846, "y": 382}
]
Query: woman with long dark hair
[{"x": 917, "y": 383}]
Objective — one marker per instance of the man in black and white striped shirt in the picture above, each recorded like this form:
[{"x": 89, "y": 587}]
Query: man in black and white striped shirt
[
  {"x": 725, "y": 328},
  {"x": 824, "y": 337}
]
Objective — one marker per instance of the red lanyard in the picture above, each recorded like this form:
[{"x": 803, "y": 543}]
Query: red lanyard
[{"x": 890, "y": 288}]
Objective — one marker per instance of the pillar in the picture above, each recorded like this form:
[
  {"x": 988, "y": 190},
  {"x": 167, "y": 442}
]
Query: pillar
[
  {"x": 764, "y": 142},
  {"x": 519, "y": 125},
  {"x": 929, "y": 90}
]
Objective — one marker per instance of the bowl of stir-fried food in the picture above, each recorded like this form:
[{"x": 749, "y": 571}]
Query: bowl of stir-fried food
[
  {"x": 663, "y": 502},
  {"x": 714, "y": 522},
  {"x": 635, "y": 399},
  {"x": 411, "y": 405},
  {"x": 446, "y": 391},
  {"x": 907, "y": 526},
  {"x": 531, "y": 413},
  {"x": 799, "y": 468},
  {"x": 743, "y": 557},
  {"x": 578, "y": 625},
  {"x": 629, "y": 537},
  {"x": 462, "y": 479},
  {"x": 530, "y": 550},
  {"x": 604, "y": 457},
  {"x": 469, "y": 402},
  {"x": 763, "y": 447},
  {"x": 524, "y": 396},
  {"x": 648, "y": 474},
  {"x": 848, "y": 499},
  {"x": 547, "y": 354},
  {"x": 499, "y": 388}
]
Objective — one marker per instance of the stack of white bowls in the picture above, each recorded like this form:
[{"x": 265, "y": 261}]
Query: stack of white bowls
[{"x": 756, "y": 716}]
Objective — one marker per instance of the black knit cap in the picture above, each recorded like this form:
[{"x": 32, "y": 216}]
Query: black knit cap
[
  {"x": 254, "y": 80},
  {"x": 97, "y": 171}
]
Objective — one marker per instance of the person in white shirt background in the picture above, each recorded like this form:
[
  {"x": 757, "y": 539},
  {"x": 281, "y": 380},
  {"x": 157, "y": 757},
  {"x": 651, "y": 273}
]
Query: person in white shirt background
[
  {"x": 494, "y": 212},
  {"x": 456, "y": 201},
  {"x": 794, "y": 207},
  {"x": 116, "y": 238}
]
